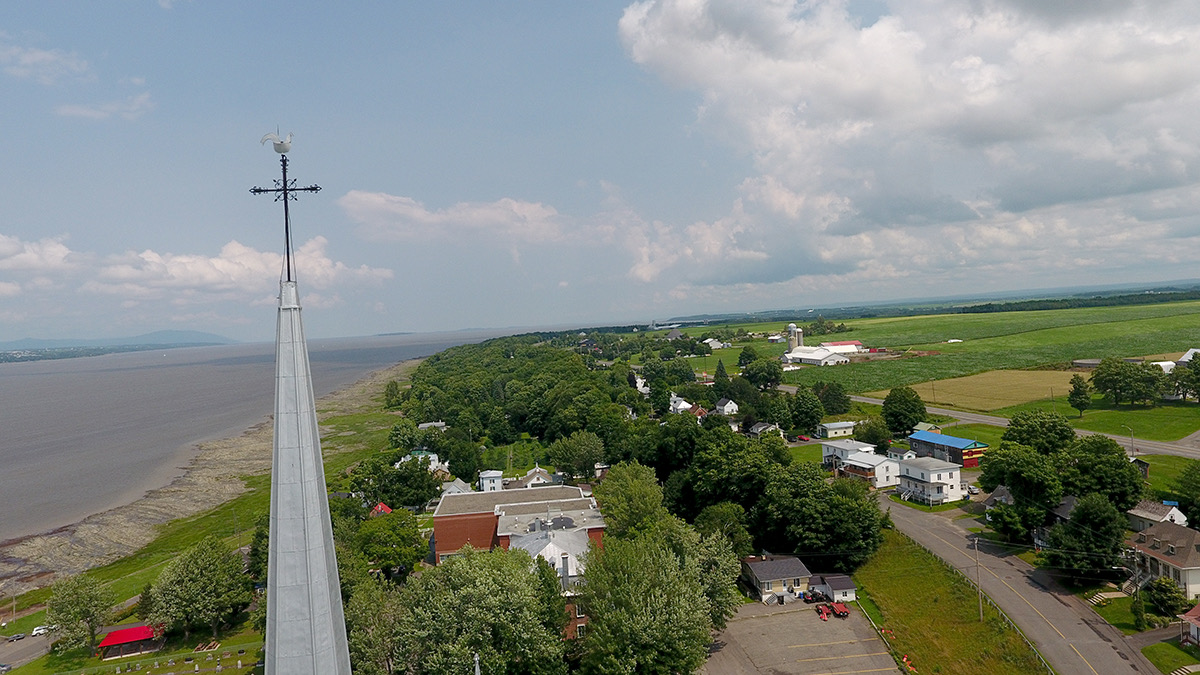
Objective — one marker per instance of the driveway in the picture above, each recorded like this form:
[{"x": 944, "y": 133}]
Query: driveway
[
  {"x": 774, "y": 640},
  {"x": 1072, "y": 637}
]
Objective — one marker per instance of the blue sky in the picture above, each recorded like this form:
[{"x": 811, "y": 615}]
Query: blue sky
[{"x": 520, "y": 164}]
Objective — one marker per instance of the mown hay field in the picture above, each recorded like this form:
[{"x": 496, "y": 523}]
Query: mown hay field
[
  {"x": 992, "y": 390},
  {"x": 933, "y": 615}
]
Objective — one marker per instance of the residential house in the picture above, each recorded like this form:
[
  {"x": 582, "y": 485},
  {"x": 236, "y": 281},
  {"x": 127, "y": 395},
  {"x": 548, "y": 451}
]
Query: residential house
[
  {"x": 761, "y": 428},
  {"x": 715, "y": 344},
  {"x": 1148, "y": 512},
  {"x": 1167, "y": 550},
  {"x": 1058, "y": 514},
  {"x": 876, "y": 470},
  {"x": 643, "y": 387},
  {"x": 440, "y": 426},
  {"x": 834, "y": 452},
  {"x": 1191, "y": 621},
  {"x": 839, "y": 587},
  {"x": 900, "y": 453},
  {"x": 927, "y": 426},
  {"x": 772, "y": 576},
  {"x": 491, "y": 480},
  {"x": 380, "y": 509},
  {"x": 675, "y": 334},
  {"x": 930, "y": 481},
  {"x": 835, "y": 429},
  {"x": 727, "y": 407},
  {"x": 999, "y": 496},
  {"x": 678, "y": 404},
  {"x": 962, "y": 451},
  {"x": 435, "y": 464},
  {"x": 535, "y": 477}
]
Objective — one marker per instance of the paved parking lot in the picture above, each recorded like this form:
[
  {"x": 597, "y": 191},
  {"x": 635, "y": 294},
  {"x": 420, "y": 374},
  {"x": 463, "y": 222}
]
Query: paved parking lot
[{"x": 792, "y": 640}]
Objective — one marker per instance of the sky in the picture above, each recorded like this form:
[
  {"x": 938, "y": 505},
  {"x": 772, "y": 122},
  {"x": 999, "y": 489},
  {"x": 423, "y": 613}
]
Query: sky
[{"x": 489, "y": 165}]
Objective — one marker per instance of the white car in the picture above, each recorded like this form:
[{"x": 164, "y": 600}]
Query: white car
[{"x": 42, "y": 630}]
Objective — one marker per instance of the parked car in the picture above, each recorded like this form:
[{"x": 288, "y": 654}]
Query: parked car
[
  {"x": 4, "y": 667},
  {"x": 802, "y": 437},
  {"x": 18, "y": 636},
  {"x": 42, "y": 630},
  {"x": 973, "y": 489}
]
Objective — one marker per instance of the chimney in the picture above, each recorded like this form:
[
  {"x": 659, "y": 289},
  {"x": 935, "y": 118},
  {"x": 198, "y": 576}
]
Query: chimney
[{"x": 566, "y": 573}]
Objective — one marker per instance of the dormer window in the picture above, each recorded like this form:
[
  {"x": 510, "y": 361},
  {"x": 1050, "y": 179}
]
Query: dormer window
[
  {"x": 1156, "y": 543},
  {"x": 1170, "y": 549},
  {"x": 1141, "y": 536}
]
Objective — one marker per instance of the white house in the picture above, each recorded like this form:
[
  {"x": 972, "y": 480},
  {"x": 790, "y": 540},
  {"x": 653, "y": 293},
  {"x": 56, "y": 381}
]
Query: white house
[
  {"x": 491, "y": 481},
  {"x": 900, "y": 453},
  {"x": 833, "y": 453},
  {"x": 678, "y": 405},
  {"x": 435, "y": 465},
  {"x": 1169, "y": 550},
  {"x": 643, "y": 387},
  {"x": 773, "y": 575},
  {"x": 876, "y": 470},
  {"x": 835, "y": 429},
  {"x": 1148, "y": 512},
  {"x": 839, "y": 587},
  {"x": 930, "y": 481},
  {"x": 727, "y": 407},
  {"x": 714, "y": 343}
]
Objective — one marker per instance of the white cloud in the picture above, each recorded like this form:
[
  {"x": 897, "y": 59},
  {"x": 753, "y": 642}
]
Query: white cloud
[
  {"x": 35, "y": 257},
  {"x": 386, "y": 217},
  {"x": 129, "y": 109},
  {"x": 237, "y": 272},
  {"x": 995, "y": 135},
  {"x": 46, "y": 66}
]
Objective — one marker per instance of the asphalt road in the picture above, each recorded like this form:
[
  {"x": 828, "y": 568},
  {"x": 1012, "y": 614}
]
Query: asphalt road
[
  {"x": 1070, "y": 636},
  {"x": 23, "y": 651}
]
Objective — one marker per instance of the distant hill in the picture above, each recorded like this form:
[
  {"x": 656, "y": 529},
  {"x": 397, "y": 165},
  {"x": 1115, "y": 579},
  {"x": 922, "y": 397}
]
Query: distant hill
[{"x": 176, "y": 338}]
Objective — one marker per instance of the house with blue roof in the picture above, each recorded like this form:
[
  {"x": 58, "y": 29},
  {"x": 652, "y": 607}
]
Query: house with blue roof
[{"x": 962, "y": 451}]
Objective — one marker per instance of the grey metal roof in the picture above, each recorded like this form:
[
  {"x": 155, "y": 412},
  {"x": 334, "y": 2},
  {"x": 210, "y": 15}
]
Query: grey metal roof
[
  {"x": 486, "y": 502},
  {"x": 778, "y": 567}
]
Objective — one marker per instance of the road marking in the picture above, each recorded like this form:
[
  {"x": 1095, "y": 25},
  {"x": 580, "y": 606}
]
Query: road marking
[
  {"x": 1022, "y": 597},
  {"x": 1084, "y": 660},
  {"x": 839, "y": 642},
  {"x": 839, "y": 658}
]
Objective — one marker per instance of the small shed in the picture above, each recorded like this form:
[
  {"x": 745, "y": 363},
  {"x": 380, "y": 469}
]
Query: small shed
[
  {"x": 129, "y": 642},
  {"x": 839, "y": 587},
  {"x": 835, "y": 429}
]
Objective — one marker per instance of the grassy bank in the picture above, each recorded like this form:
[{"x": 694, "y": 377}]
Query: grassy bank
[{"x": 933, "y": 613}]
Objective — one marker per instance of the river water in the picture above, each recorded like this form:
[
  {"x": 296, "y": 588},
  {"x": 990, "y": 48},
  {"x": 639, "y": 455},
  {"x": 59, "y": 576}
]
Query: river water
[{"x": 80, "y": 436}]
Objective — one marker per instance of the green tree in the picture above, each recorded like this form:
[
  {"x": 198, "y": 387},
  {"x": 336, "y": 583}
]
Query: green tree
[
  {"x": 679, "y": 372},
  {"x": 1116, "y": 379},
  {"x": 1097, "y": 464},
  {"x": 409, "y": 484},
  {"x": 1138, "y": 609},
  {"x": 393, "y": 542},
  {"x": 747, "y": 356},
  {"x": 79, "y": 606},
  {"x": 634, "y": 624},
  {"x": 764, "y": 373},
  {"x": 720, "y": 379},
  {"x": 404, "y": 435},
  {"x": 201, "y": 587},
  {"x": 494, "y": 604},
  {"x": 1008, "y": 521},
  {"x": 373, "y": 616},
  {"x": 1042, "y": 430},
  {"x": 1080, "y": 397},
  {"x": 902, "y": 410},
  {"x": 807, "y": 410},
  {"x": 728, "y": 520},
  {"x": 1187, "y": 486},
  {"x": 1166, "y": 597},
  {"x": 630, "y": 499},
  {"x": 1090, "y": 542},
  {"x": 256, "y": 564},
  {"x": 1033, "y": 480},
  {"x": 576, "y": 455},
  {"x": 874, "y": 431},
  {"x": 392, "y": 395},
  {"x": 833, "y": 397}
]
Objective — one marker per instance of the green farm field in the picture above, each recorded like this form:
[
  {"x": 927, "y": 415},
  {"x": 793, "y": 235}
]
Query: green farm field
[
  {"x": 1166, "y": 421},
  {"x": 1008, "y": 341}
]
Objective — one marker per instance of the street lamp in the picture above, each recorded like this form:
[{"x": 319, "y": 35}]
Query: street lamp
[{"x": 1131, "y": 448}]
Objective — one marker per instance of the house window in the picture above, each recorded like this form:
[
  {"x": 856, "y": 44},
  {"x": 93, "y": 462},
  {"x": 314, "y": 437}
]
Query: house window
[
  {"x": 766, "y": 585},
  {"x": 796, "y": 582},
  {"x": 1175, "y": 574},
  {"x": 939, "y": 476},
  {"x": 579, "y": 611},
  {"x": 580, "y": 630}
]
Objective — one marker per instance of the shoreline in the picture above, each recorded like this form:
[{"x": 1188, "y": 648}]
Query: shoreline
[{"x": 211, "y": 477}]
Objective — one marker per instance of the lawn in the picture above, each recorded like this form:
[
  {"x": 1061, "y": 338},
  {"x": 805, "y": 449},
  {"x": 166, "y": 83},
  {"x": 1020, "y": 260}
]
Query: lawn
[
  {"x": 806, "y": 453},
  {"x": 1116, "y": 612},
  {"x": 942, "y": 632},
  {"x": 963, "y": 505},
  {"x": 1164, "y": 472},
  {"x": 1167, "y": 421},
  {"x": 1169, "y": 656},
  {"x": 992, "y": 390}
]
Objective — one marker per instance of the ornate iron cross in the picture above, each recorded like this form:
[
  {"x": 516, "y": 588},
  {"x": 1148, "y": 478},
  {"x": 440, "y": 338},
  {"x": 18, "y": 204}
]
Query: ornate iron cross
[{"x": 285, "y": 190}]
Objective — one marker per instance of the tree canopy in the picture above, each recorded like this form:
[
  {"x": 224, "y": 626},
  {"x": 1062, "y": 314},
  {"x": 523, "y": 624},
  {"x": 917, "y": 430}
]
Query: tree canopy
[
  {"x": 79, "y": 605},
  {"x": 1041, "y": 430},
  {"x": 201, "y": 587},
  {"x": 902, "y": 410}
]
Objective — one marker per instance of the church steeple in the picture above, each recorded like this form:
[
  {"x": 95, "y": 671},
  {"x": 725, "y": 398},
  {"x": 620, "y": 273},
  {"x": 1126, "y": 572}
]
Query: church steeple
[{"x": 306, "y": 629}]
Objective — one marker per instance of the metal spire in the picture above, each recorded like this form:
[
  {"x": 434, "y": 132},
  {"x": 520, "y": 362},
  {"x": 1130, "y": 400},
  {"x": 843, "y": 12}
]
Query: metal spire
[
  {"x": 306, "y": 628},
  {"x": 285, "y": 191}
]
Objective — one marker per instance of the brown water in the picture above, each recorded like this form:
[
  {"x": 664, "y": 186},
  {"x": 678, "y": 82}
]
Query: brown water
[{"x": 80, "y": 436}]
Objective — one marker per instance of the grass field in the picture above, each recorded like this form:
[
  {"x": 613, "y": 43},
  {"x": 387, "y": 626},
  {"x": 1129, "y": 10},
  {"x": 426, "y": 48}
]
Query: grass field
[
  {"x": 1167, "y": 421},
  {"x": 984, "y": 433},
  {"x": 941, "y": 632},
  {"x": 992, "y": 390},
  {"x": 1169, "y": 656},
  {"x": 806, "y": 453},
  {"x": 1009, "y": 341},
  {"x": 1164, "y": 471}
]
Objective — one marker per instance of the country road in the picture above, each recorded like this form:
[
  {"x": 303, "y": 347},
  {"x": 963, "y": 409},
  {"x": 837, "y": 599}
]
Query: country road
[{"x": 1072, "y": 637}]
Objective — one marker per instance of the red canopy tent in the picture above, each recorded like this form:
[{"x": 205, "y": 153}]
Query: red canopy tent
[{"x": 125, "y": 636}]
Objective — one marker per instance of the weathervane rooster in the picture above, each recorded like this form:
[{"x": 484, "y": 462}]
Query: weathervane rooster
[{"x": 282, "y": 145}]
